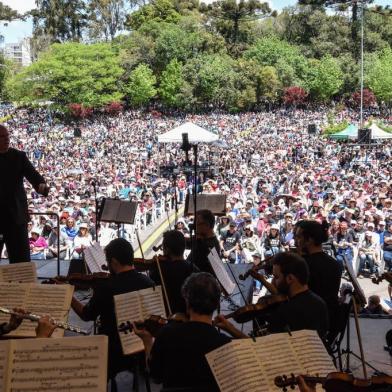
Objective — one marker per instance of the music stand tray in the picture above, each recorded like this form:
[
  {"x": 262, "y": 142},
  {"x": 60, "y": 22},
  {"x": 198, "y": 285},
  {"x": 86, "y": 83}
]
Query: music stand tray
[
  {"x": 117, "y": 211},
  {"x": 206, "y": 201}
]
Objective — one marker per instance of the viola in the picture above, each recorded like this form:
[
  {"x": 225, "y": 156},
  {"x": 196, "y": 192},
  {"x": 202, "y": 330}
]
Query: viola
[
  {"x": 143, "y": 265},
  {"x": 152, "y": 324},
  {"x": 339, "y": 382},
  {"x": 386, "y": 275},
  {"x": 249, "y": 312},
  {"x": 80, "y": 280}
]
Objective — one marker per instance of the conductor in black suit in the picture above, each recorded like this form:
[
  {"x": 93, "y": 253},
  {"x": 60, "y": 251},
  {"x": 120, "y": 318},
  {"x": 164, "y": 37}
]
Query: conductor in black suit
[{"x": 14, "y": 167}]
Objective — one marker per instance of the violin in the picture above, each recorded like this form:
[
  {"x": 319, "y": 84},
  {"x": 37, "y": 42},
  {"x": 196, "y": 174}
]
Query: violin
[
  {"x": 142, "y": 265},
  {"x": 339, "y": 382},
  {"x": 249, "y": 312},
  {"x": 386, "y": 275},
  {"x": 80, "y": 280},
  {"x": 265, "y": 264},
  {"x": 152, "y": 324}
]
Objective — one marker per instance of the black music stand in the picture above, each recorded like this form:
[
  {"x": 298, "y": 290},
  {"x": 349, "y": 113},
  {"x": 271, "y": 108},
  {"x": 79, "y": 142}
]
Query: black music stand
[
  {"x": 216, "y": 203},
  {"x": 355, "y": 297},
  {"x": 117, "y": 211}
]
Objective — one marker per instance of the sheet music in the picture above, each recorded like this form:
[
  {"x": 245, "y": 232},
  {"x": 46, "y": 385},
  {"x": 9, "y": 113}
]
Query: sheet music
[
  {"x": 95, "y": 257},
  {"x": 64, "y": 364},
  {"x": 276, "y": 357},
  {"x": 18, "y": 272},
  {"x": 258, "y": 363},
  {"x": 4, "y": 350},
  {"x": 311, "y": 353},
  {"x": 136, "y": 306},
  {"x": 221, "y": 272},
  {"x": 12, "y": 295},
  {"x": 54, "y": 300},
  {"x": 245, "y": 375}
]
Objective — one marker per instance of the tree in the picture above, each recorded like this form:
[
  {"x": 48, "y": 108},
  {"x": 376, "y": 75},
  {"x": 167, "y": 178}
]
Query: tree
[
  {"x": 369, "y": 98},
  {"x": 290, "y": 64},
  {"x": 295, "y": 96},
  {"x": 62, "y": 20},
  {"x": 379, "y": 75},
  {"x": 269, "y": 84},
  {"x": 140, "y": 87},
  {"x": 231, "y": 19},
  {"x": 324, "y": 78},
  {"x": 155, "y": 11},
  {"x": 7, "y": 13},
  {"x": 71, "y": 73},
  {"x": 106, "y": 18},
  {"x": 172, "y": 84}
]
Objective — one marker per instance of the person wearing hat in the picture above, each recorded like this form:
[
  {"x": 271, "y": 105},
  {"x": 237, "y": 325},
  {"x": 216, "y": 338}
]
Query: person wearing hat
[
  {"x": 81, "y": 241},
  {"x": 367, "y": 253},
  {"x": 52, "y": 243},
  {"x": 14, "y": 167},
  {"x": 250, "y": 243},
  {"x": 38, "y": 244},
  {"x": 272, "y": 242},
  {"x": 229, "y": 243}
]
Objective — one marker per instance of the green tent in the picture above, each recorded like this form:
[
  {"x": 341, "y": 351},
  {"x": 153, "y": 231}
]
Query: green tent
[{"x": 351, "y": 132}]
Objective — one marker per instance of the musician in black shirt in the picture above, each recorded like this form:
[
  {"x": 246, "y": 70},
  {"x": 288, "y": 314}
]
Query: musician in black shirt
[
  {"x": 303, "y": 310},
  {"x": 124, "y": 278},
  {"x": 174, "y": 270},
  {"x": 205, "y": 241},
  {"x": 177, "y": 356},
  {"x": 324, "y": 270}
]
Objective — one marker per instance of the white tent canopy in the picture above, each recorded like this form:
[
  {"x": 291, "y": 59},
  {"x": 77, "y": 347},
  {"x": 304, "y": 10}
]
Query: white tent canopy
[
  {"x": 195, "y": 133},
  {"x": 378, "y": 133}
]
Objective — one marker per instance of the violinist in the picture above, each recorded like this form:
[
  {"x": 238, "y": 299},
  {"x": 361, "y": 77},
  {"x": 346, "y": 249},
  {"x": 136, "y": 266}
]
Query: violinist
[
  {"x": 177, "y": 356},
  {"x": 324, "y": 270},
  {"x": 205, "y": 241},
  {"x": 303, "y": 310},
  {"x": 123, "y": 279},
  {"x": 174, "y": 269}
]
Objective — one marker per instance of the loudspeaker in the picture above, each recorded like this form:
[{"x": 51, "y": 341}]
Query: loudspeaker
[
  {"x": 77, "y": 132},
  {"x": 312, "y": 129},
  {"x": 364, "y": 136}
]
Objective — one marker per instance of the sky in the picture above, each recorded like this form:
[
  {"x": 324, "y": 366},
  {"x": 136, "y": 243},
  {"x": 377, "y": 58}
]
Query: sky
[{"x": 15, "y": 31}]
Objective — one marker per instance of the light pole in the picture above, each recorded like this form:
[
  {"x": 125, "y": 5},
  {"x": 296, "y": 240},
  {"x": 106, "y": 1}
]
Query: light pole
[{"x": 362, "y": 34}]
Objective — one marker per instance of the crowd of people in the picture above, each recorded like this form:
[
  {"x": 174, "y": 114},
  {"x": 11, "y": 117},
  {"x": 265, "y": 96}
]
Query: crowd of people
[
  {"x": 273, "y": 172},
  {"x": 285, "y": 189}
]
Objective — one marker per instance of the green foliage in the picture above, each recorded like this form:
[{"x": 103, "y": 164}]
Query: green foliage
[
  {"x": 70, "y": 73},
  {"x": 290, "y": 64},
  {"x": 334, "y": 128},
  {"x": 106, "y": 18},
  {"x": 379, "y": 75},
  {"x": 172, "y": 85},
  {"x": 140, "y": 87},
  {"x": 384, "y": 127},
  {"x": 155, "y": 11},
  {"x": 324, "y": 78},
  {"x": 7, "y": 13},
  {"x": 234, "y": 20},
  {"x": 61, "y": 20}
]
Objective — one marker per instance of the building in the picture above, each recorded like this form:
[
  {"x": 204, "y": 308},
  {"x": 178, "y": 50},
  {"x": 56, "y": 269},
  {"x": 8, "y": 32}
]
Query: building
[{"x": 19, "y": 52}]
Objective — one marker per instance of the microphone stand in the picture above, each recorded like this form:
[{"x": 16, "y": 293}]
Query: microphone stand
[{"x": 94, "y": 184}]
